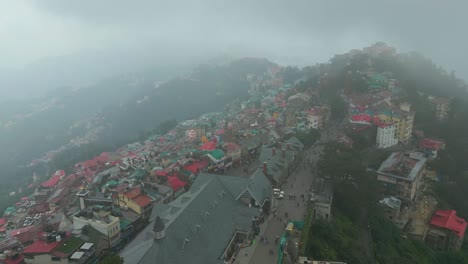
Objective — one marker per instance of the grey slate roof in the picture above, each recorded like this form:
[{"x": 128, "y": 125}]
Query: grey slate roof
[
  {"x": 259, "y": 187},
  {"x": 210, "y": 203},
  {"x": 252, "y": 142},
  {"x": 276, "y": 168},
  {"x": 266, "y": 154},
  {"x": 295, "y": 144},
  {"x": 158, "y": 225}
]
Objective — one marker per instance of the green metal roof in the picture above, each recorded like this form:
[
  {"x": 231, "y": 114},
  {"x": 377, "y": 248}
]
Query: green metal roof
[
  {"x": 124, "y": 223},
  {"x": 112, "y": 183},
  {"x": 217, "y": 154},
  {"x": 70, "y": 245},
  {"x": 138, "y": 174}
]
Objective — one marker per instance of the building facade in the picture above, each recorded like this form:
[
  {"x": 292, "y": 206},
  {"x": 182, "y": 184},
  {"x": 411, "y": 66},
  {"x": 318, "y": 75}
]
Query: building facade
[
  {"x": 446, "y": 231},
  {"x": 386, "y": 136},
  {"x": 402, "y": 118},
  {"x": 107, "y": 225},
  {"x": 401, "y": 173}
]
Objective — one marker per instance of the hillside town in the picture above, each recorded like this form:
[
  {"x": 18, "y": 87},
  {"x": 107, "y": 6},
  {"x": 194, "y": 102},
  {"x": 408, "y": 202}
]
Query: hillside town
[{"x": 234, "y": 186}]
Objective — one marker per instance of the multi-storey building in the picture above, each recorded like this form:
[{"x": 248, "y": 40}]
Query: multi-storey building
[
  {"x": 403, "y": 119},
  {"x": 401, "y": 173},
  {"x": 386, "y": 136}
]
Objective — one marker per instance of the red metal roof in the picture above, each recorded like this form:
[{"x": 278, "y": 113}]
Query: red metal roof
[
  {"x": 40, "y": 246},
  {"x": 133, "y": 192},
  {"x": 142, "y": 200},
  {"x": 89, "y": 164},
  {"x": 160, "y": 173},
  {"x": 219, "y": 132},
  {"x": 361, "y": 118},
  {"x": 428, "y": 143},
  {"x": 175, "y": 182},
  {"x": 54, "y": 179},
  {"x": 208, "y": 146},
  {"x": 448, "y": 219}
]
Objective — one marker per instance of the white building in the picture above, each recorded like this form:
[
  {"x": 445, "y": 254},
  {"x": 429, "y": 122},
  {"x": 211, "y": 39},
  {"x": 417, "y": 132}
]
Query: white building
[
  {"x": 386, "y": 136},
  {"x": 106, "y": 224}
]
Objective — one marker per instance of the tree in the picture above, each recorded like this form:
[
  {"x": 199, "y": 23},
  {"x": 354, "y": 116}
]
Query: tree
[
  {"x": 112, "y": 259},
  {"x": 338, "y": 108}
]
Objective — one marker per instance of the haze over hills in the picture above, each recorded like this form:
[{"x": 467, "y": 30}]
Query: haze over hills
[
  {"x": 80, "y": 45},
  {"x": 69, "y": 125}
]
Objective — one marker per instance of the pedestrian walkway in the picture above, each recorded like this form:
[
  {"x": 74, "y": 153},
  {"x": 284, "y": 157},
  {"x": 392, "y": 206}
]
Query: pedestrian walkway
[{"x": 299, "y": 183}]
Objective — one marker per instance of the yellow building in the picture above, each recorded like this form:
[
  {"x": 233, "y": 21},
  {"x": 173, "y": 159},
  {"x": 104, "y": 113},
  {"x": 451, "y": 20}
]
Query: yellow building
[
  {"x": 403, "y": 119},
  {"x": 136, "y": 201}
]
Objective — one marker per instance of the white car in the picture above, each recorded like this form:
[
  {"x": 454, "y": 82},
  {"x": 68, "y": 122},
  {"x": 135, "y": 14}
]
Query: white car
[{"x": 279, "y": 196}]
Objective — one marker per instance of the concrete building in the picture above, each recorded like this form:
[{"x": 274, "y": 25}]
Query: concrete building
[
  {"x": 442, "y": 107},
  {"x": 322, "y": 200},
  {"x": 446, "y": 230},
  {"x": 59, "y": 251},
  {"x": 394, "y": 211},
  {"x": 431, "y": 147},
  {"x": 401, "y": 173},
  {"x": 403, "y": 118},
  {"x": 386, "y": 136},
  {"x": 136, "y": 200},
  {"x": 102, "y": 221}
]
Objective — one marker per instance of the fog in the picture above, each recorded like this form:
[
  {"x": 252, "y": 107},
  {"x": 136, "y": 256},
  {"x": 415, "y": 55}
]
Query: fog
[{"x": 45, "y": 44}]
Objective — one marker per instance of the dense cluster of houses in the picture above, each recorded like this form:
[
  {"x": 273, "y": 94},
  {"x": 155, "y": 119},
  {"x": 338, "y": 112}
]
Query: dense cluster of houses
[
  {"x": 175, "y": 184},
  {"x": 194, "y": 185}
]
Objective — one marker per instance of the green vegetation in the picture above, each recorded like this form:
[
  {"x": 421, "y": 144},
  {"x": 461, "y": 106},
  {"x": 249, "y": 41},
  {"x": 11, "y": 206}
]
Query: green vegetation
[
  {"x": 335, "y": 241},
  {"x": 308, "y": 139},
  {"x": 70, "y": 245},
  {"x": 112, "y": 259},
  {"x": 356, "y": 191}
]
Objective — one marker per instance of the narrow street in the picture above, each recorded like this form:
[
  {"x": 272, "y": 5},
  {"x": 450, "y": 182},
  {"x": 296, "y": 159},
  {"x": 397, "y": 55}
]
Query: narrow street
[{"x": 299, "y": 182}]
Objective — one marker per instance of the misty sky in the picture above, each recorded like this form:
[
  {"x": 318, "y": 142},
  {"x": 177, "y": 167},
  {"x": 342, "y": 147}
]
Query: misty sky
[{"x": 35, "y": 32}]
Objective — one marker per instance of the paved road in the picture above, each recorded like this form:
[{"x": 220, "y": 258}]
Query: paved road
[{"x": 298, "y": 183}]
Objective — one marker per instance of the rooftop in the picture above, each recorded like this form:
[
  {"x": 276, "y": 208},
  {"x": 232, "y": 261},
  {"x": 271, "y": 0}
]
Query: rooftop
[
  {"x": 136, "y": 191},
  {"x": 199, "y": 224},
  {"x": 142, "y": 200},
  {"x": 40, "y": 247},
  {"x": 323, "y": 191},
  {"x": 428, "y": 143},
  {"x": 448, "y": 219},
  {"x": 70, "y": 245},
  {"x": 391, "y": 202},
  {"x": 403, "y": 165}
]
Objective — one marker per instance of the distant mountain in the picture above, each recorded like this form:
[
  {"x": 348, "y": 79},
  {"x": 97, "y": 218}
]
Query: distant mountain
[{"x": 123, "y": 106}]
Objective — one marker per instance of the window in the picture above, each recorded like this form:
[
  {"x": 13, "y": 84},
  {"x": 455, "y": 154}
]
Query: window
[{"x": 54, "y": 258}]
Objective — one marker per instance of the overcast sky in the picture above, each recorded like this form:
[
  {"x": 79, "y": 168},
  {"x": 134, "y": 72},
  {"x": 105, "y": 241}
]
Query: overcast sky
[{"x": 288, "y": 32}]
